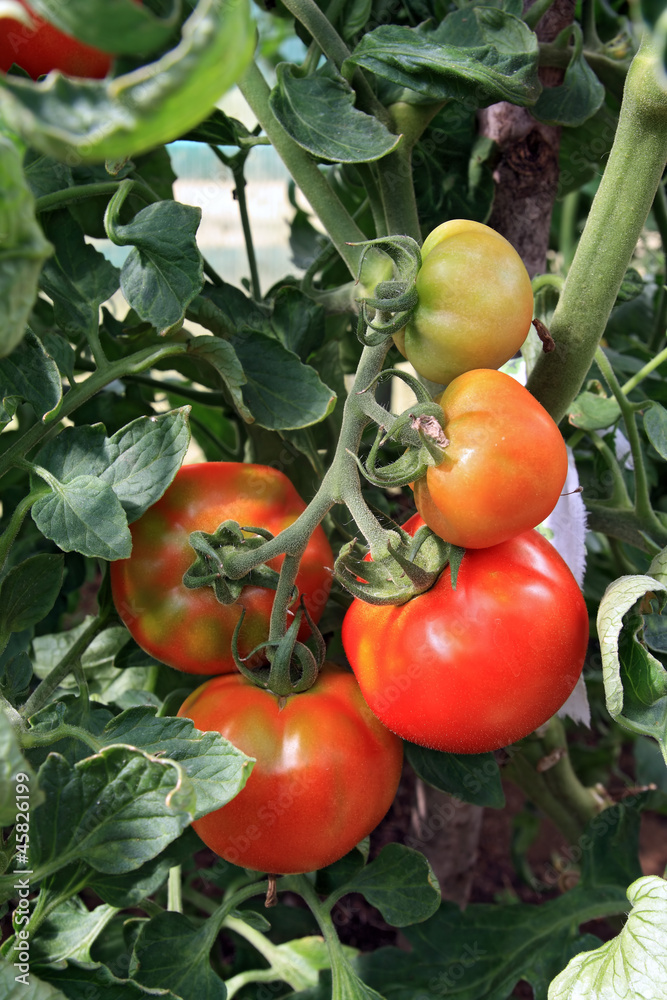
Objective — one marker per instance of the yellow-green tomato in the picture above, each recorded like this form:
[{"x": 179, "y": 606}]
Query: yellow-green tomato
[{"x": 475, "y": 303}]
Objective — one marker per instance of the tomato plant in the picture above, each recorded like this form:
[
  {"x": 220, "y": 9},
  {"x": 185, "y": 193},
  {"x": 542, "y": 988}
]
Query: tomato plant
[
  {"x": 474, "y": 668},
  {"x": 189, "y": 629},
  {"x": 43, "y": 48},
  {"x": 326, "y": 771},
  {"x": 504, "y": 465},
  {"x": 475, "y": 303},
  {"x": 135, "y": 326}
]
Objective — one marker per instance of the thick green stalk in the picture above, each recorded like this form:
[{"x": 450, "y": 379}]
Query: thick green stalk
[
  {"x": 618, "y": 213},
  {"x": 335, "y": 218}
]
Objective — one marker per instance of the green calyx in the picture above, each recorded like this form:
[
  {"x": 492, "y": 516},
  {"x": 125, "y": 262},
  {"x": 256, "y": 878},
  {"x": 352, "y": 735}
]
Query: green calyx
[
  {"x": 293, "y": 667},
  {"x": 419, "y": 428},
  {"x": 212, "y": 550},
  {"x": 410, "y": 567},
  {"x": 387, "y": 311}
]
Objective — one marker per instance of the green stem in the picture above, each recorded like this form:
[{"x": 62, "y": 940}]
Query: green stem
[
  {"x": 568, "y": 221},
  {"x": 643, "y": 508},
  {"x": 619, "y": 498},
  {"x": 398, "y": 193},
  {"x": 82, "y": 392},
  {"x": 556, "y": 790},
  {"x": 340, "y": 484},
  {"x": 335, "y": 218},
  {"x": 547, "y": 281},
  {"x": 344, "y": 981},
  {"x": 639, "y": 376},
  {"x": 45, "y": 689},
  {"x": 606, "y": 246},
  {"x": 60, "y": 732},
  {"x": 174, "y": 897},
  {"x": 280, "y": 967},
  {"x": 236, "y": 165},
  {"x": 51, "y": 202},
  {"x": 283, "y": 598},
  {"x": 537, "y": 11},
  {"x": 8, "y": 536}
]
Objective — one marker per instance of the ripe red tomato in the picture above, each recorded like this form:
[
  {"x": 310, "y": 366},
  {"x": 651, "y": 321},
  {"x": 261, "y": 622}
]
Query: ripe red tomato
[
  {"x": 189, "y": 629},
  {"x": 45, "y": 47},
  {"x": 326, "y": 772},
  {"x": 475, "y": 303},
  {"x": 476, "y": 668},
  {"x": 504, "y": 467}
]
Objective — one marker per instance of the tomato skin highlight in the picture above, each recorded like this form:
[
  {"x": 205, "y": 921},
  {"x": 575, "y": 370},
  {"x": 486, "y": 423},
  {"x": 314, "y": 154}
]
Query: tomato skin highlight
[
  {"x": 45, "y": 48},
  {"x": 326, "y": 772},
  {"x": 476, "y": 668},
  {"x": 504, "y": 467},
  {"x": 189, "y": 629},
  {"x": 475, "y": 303}
]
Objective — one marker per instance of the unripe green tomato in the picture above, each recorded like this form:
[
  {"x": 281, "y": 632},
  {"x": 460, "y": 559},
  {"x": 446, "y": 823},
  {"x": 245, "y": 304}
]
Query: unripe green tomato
[{"x": 475, "y": 303}]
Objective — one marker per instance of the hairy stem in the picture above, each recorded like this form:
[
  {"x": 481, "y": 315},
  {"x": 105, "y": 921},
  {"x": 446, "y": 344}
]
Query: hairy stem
[{"x": 618, "y": 213}]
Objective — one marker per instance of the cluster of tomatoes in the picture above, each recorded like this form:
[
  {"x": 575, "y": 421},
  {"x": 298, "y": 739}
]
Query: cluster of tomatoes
[
  {"x": 464, "y": 669},
  {"x": 475, "y": 668}
]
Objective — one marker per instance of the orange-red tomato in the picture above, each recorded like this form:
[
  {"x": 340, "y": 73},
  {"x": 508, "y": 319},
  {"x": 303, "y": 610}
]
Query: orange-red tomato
[
  {"x": 326, "y": 771},
  {"x": 189, "y": 629},
  {"x": 476, "y": 668},
  {"x": 504, "y": 466},
  {"x": 44, "y": 47}
]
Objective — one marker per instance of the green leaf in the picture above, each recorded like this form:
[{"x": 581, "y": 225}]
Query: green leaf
[
  {"x": 470, "y": 777},
  {"x": 217, "y": 770},
  {"x": 29, "y": 988},
  {"x": 655, "y": 425},
  {"x": 634, "y": 964},
  {"x": 103, "y": 678},
  {"x": 23, "y": 248},
  {"x": 83, "y": 982},
  {"x": 28, "y": 593},
  {"x": 318, "y": 112},
  {"x": 223, "y": 358},
  {"x": 635, "y": 682},
  {"x": 114, "y": 811},
  {"x": 144, "y": 456},
  {"x": 170, "y": 954},
  {"x": 479, "y": 55},
  {"x": 579, "y": 96},
  {"x": 84, "y": 515},
  {"x": 15, "y": 671},
  {"x": 298, "y": 322},
  {"x": 129, "y": 889},
  {"x": 592, "y": 412},
  {"x": 218, "y": 130},
  {"x": 280, "y": 391},
  {"x": 29, "y": 374},
  {"x": 165, "y": 270},
  {"x": 147, "y": 107},
  {"x": 137, "y": 463},
  {"x": 69, "y": 930},
  {"x": 115, "y": 26},
  {"x": 77, "y": 279},
  {"x": 400, "y": 883},
  {"x": 12, "y": 765}
]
